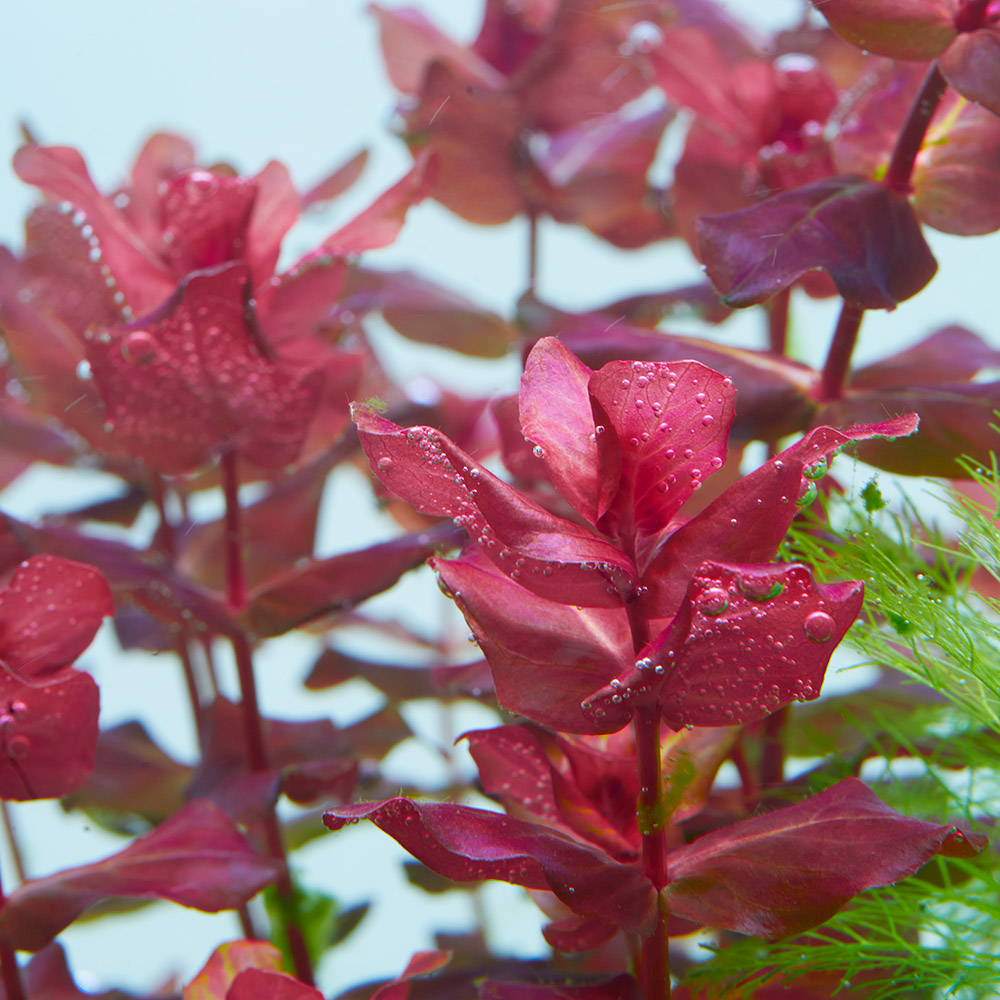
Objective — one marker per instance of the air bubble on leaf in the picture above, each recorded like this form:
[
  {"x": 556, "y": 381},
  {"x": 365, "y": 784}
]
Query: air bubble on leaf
[
  {"x": 760, "y": 588},
  {"x": 807, "y": 496},
  {"x": 713, "y": 601},
  {"x": 818, "y": 626},
  {"x": 83, "y": 371},
  {"x": 384, "y": 464},
  {"x": 816, "y": 470},
  {"x": 18, "y": 747},
  {"x": 538, "y": 451},
  {"x": 139, "y": 348}
]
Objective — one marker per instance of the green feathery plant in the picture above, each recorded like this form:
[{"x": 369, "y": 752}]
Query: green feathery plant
[{"x": 931, "y": 747}]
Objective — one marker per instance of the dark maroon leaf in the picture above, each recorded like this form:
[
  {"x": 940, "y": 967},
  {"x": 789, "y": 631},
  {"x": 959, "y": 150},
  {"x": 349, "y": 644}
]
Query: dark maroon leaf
[
  {"x": 469, "y": 845},
  {"x": 399, "y": 683},
  {"x": 792, "y": 869},
  {"x": 428, "y": 313},
  {"x": 197, "y": 858},
  {"x": 951, "y": 354},
  {"x": 132, "y": 777},
  {"x": 859, "y": 231},
  {"x": 547, "y": 554},
  {"x": 48, "y": 732},
  {"x": 546, "y": 658},
  {"x": 955, "y": 420},
  {"x": 900, "y": 29},
  {"x": 337, "y": 584}
]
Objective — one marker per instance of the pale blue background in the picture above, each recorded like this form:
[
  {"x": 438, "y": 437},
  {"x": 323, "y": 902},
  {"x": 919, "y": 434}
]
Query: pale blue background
[{"x": 302, "y": 82}]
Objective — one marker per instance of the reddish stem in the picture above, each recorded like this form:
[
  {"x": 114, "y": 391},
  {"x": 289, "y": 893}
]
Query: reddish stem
[
  {"x": 838, "y": 360},
  {"x": 532, "y": 249},
  {"x": 236, "y": 585},
  {"x": 253, "y": 725},
  {"x": 777, "y": 321},
  {"x": 654, "y": 961},
  {"x": 10, "y": 972},
  {"x": 772, "y": 755},
  {"x": 12, "y": 842},
  {"x": 751, "y": 790},
  {"x": 911, "y": 136}
]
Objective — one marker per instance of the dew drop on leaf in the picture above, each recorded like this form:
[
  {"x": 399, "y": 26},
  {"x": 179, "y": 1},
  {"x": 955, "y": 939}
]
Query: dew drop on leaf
[
  {"x": 139, "y": 348},
  {"x": 818, "y": 626},
  {"x": 713, "y": 601}
]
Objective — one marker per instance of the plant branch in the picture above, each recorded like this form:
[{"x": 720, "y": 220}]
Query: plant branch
[
  {"x": 838, "y": 359},
  {"x": 654, "y": 961},
  {"x": 914, "y": 130},
  {"x": 777, "y": 321},
  {"x": 253, "y": 725},
  {"x": 10, "y": 972},
  {"x": 15, "y": 848}
]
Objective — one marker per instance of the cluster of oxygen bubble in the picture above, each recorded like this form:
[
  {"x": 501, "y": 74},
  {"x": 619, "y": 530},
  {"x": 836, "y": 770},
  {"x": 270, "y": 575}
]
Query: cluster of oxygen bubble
[{"x": 94, "y": 253}]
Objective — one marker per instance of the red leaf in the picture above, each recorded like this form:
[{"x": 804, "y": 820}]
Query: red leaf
[
  {"x": 972, "y": 66},
  {"x": 951, "y": 354},
  {"x": 550, "y": 556},
  {"x": 747, "y": 523},
  {"x": 469, "y": 845},
  {"x": 48, "y": 733},
  {"x": 191, "y": 380},
  {"x": 749, "y": 640},
  {"x": 197, "y": 858},
  {"x": 900, "y": 29},
  {"x": 337, "y": 182},
  {"x": 204, "y": 218},
  {"x": 264, "y": 984},
  {"x": 226, "y": 963},
  {"x": 62, "y": 174},
  {"x": 863, "y": 234},
  {"x": 428, "y": 313},
  {"x": 276, "y": 209},
  {"x": 546, "y": 658},
  {"x": 555, "y": 414},
  {"x": 792, "y": 869},
  {"x": 672, "y": 421},
  {"x": 956, "y": 182},
  {"x": 49, "y": 614},
  {"x": 528, "y": 772},
  {"x": 955, "y": 420},
  {"x": 622, "y": 987}
]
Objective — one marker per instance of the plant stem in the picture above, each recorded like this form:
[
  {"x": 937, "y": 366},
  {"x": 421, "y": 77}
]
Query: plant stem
[
  {"x": 911, "y": 136},
  {"x": 10, "y": 972},
  {"x": 777, "y": 321},
  {"x": 12, "y": 842},
  {"x": 654, "y": 961},
  {"x": 167, "y": 540},
  {"x": 253, "y": 725},
  {"x": 532, "y": 250},
  {"x": 236, "y": 585},
  {"x": 838, "y": 360},
  {"x": 772, "y": 754}
]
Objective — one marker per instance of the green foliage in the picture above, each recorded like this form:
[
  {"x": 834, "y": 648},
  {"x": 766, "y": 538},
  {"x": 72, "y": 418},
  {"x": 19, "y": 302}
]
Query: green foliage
[{"x": 930, "y": 746}]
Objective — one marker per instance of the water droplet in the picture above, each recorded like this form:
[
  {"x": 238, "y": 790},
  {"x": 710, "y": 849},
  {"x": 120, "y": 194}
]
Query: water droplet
[
  {"x": 807, "y": 496},
  {"x": 818, "y": 626},
  {"x": 713, "y": 601},
  {"x": 18, "y": 747},
  {"x": 816, "y": 470},
  {"x": 760, "y": 588},
  {"x": 538, "y": 451},
  {"x": 139, "y": 348},
  {"x": 708, "y": 419},
  {"x": 83, "y": 372},
  {"x": 384, "y": 464}
]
